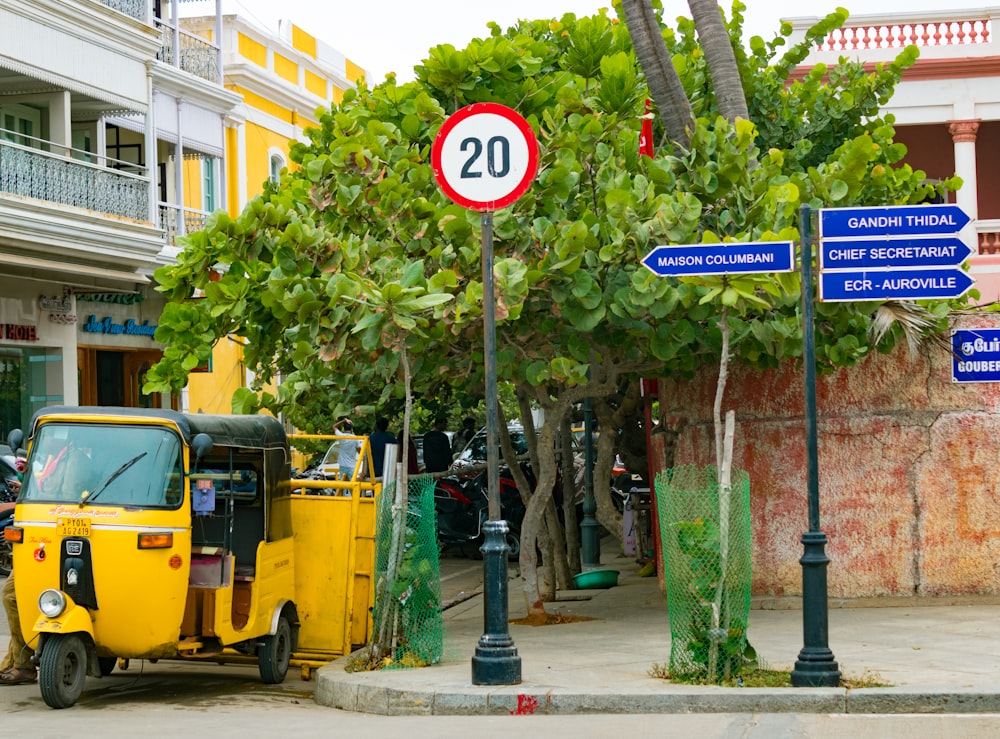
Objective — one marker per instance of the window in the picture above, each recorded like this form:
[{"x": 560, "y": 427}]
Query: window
[
  {"x": 23, "y": 120},
  {"x": 135, "y": 465},
  {"x": 208, "y": 185},
  {"x": 82, "y": 145},
  {"x": 277, "y": 163}
]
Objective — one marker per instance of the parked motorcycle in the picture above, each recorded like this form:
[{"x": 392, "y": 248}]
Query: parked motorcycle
[{"x": 461, "y": 506}]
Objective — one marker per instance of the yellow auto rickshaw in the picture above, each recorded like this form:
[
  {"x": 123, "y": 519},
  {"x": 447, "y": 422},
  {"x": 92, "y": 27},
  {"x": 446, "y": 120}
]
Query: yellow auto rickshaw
[{"x": 152, "y": 534}]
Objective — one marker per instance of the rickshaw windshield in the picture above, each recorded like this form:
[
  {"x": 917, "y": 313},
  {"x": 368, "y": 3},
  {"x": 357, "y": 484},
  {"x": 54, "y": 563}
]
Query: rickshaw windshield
[{"x": 136, "y": 466}]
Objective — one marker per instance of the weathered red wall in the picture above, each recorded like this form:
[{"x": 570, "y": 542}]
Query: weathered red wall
[{"x": 908, "y": 470}]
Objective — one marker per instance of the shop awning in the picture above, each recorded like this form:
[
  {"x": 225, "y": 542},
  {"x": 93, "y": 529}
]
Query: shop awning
[{"x": 70, "y": 273}]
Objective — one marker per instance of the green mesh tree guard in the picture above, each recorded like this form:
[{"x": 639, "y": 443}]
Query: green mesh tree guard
[
  {"x": 706, "y": 540},
  {"x": 408, "y": 579}
]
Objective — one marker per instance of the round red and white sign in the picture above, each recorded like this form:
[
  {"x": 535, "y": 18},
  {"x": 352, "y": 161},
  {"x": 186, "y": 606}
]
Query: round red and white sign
[{"x": 485, "y": 156}]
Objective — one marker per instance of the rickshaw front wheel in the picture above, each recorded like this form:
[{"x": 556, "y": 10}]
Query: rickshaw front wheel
[
  {"x": 63, "y": 670},
  {"x": 107, "y": 665},
  {"x": 275, "y": 652}
]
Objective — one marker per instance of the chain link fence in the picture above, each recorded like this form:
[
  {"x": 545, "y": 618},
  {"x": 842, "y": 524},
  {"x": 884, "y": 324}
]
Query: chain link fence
[
  {"x": 706, "y": 539},
  {"x": 408, "y": 579}
]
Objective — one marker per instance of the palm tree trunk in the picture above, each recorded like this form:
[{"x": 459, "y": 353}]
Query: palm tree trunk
[
  {"x": 719, "y": 56},
  {"x": 661, "y": 77}
]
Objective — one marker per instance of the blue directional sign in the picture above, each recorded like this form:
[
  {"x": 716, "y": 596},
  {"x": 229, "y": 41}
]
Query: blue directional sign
[
  {"x": 734, "y": 258},
  {"x": 924, "y": 284},
  {"x": 975, "y": 355},
  {"x": 932, "y": 251},
  {"x": 894, "y": 220}
]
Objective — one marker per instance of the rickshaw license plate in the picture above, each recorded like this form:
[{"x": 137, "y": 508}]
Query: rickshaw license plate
[{"x": 74, "y": 526}]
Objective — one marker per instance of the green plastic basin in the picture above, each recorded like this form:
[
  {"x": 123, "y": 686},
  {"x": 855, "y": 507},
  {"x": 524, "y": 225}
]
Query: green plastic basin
[{"x": 595, "y": 579}]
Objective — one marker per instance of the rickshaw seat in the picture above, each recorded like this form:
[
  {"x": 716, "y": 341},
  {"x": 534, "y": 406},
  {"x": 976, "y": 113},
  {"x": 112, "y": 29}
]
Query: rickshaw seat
[{"x": 248, "y": 531}]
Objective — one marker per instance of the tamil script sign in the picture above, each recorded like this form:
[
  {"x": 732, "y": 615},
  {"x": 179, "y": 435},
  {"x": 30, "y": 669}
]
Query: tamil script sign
[{"x": 975, "y": 355}]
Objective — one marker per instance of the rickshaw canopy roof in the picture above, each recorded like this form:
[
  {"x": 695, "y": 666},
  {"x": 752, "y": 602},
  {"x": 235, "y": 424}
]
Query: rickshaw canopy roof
[{"x": 249, "y": 431}]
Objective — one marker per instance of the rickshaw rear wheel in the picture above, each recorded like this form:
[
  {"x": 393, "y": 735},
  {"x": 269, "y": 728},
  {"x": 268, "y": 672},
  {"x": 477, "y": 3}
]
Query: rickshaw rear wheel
[
  {"x": 275, "y": 652},
  {"x": 63, "y": 670}
]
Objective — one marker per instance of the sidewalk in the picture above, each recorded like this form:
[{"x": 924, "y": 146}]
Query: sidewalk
[{"x": 938, "y": 659}]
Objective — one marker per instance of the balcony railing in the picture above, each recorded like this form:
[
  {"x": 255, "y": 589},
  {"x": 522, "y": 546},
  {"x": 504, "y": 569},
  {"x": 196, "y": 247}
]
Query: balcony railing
[
  {"x": 134, "y": 8},
  {"x": 33, "y": 173},
  {"x": 191, "y": 53},
  {"x": 988, "y": 234},
  {"x": 170, "y": 217},
  {"x": 900, "y": 35}
]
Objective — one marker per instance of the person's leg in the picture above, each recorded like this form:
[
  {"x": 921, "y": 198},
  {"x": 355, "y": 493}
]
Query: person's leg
[
  {"x": 16, "y": 666},
  {"x": 10, "y": 608}
]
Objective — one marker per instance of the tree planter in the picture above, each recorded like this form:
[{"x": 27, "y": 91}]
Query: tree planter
[{"x": 706, "y": 540}]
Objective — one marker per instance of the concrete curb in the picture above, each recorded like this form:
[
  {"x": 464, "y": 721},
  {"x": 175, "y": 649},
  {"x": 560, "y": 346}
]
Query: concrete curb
[{"x": 372, "y": 693}]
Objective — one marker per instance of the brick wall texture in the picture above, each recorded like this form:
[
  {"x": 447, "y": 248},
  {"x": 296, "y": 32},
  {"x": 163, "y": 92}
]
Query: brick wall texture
[{"x": 908, "y": 471}]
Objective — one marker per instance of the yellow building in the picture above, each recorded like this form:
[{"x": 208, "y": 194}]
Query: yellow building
[{"x": 283, "y": 78}]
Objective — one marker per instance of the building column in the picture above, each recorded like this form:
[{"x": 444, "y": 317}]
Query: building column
[
  {"x": 241, "y": 167},
  {"x": 149, "y": 142},
  {"x": 963, "y": 135},
  {"x": 179, "y": 170}
]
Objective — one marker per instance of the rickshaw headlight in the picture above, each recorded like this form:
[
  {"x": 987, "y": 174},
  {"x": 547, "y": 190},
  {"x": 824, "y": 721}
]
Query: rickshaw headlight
[{"x": 52, "y": 603}]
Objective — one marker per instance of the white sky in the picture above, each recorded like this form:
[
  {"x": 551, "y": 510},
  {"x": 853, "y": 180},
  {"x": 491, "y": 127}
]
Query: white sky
[{"x": 394, "y": 35}]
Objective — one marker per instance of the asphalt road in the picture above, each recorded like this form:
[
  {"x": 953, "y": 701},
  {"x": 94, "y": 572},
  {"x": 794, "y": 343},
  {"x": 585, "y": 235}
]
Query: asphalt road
[
  {"x": 167, "y": 699},
  {"x": 170, "y": 684}
]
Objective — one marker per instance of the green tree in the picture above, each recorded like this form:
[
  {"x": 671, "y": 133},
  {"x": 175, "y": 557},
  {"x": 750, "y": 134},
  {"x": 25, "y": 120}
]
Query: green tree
[{"x": 578, "y": 316}]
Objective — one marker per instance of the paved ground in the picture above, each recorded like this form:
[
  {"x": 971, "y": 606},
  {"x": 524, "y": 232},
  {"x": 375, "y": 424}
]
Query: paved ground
[{"x": 937, "y": 659}]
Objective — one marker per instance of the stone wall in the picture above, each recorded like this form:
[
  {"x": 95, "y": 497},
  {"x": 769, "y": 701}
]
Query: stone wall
[{"x": 908, "y": 471}]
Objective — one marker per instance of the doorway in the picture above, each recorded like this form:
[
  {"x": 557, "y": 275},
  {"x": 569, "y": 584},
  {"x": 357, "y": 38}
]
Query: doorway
[{"x": 115, "y": 377}]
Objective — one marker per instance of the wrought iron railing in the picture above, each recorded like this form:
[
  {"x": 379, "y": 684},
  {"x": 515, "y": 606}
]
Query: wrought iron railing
[
  {"x": 33, "y": 173},
  {"x": 134, "y": 8},
  {"x": 170, "y": 215},
  {"x": 196, "y": 55}
]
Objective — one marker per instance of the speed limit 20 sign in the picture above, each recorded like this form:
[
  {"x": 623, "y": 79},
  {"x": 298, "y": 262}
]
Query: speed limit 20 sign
[{"x": 485, "y": 156}]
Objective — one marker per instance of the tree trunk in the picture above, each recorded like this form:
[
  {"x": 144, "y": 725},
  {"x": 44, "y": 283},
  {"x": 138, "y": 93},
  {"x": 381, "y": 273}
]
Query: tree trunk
[
  {"x": 558, "y": 564},
  {"x": 720, "y": 388},
  {"x": 661, "y": 77},
  {"x": 534, "y": 515},
  {"x": 388, "y": 624},
  {"x": 721, "y": 59},
  {"x": 572, "y": 527},
  {"x": 607, "y": 513}
]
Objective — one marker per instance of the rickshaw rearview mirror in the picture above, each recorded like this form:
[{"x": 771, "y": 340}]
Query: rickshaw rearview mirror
[
  {"x": 14, "y": 439},
  {"x": 202, "y": 445}
]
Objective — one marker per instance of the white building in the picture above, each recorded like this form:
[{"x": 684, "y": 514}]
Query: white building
[
  {"x": 947, "y": 108},
  {"x": 112, "y": 139}
]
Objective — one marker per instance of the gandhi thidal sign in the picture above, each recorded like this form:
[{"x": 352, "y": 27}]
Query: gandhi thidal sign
[{"x": 892, "y": 220}]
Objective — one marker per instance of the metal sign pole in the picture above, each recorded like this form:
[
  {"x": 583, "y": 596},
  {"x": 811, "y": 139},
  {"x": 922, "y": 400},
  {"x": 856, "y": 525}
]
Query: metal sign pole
[
  {"x": 815, "y": 666},
  {"x": 485, "y": 156},
  {"x": 496, "y": 661}
]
